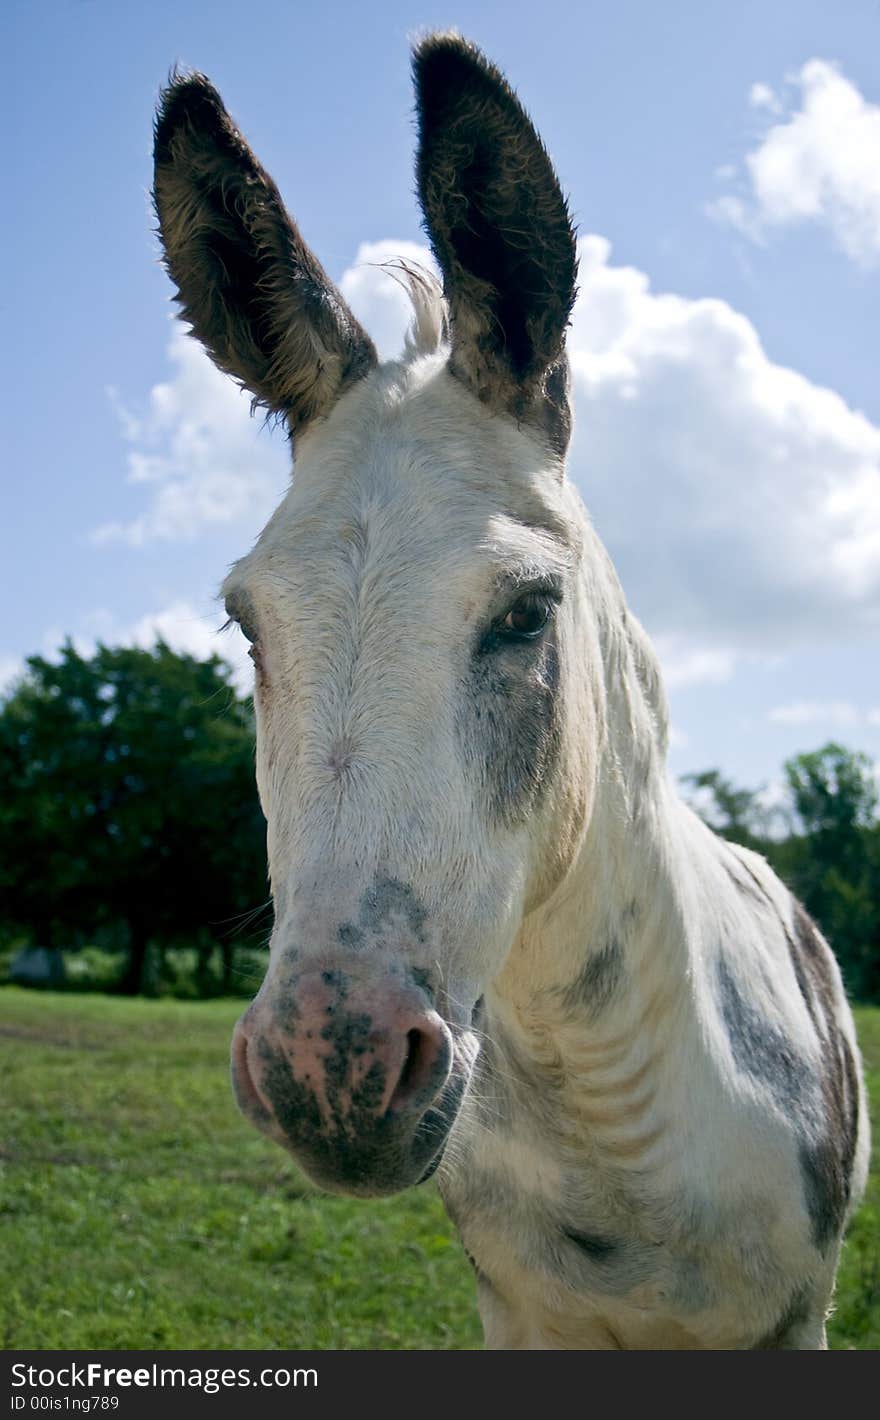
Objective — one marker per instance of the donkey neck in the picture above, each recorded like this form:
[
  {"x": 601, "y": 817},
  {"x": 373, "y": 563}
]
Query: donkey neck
[{"x": 602, "y": 973}]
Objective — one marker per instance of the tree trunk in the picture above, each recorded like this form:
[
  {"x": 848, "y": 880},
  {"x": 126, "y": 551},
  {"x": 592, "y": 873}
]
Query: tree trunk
[
  {"x": 132, "y": 983},
  {"x": 227, "y": 950}
]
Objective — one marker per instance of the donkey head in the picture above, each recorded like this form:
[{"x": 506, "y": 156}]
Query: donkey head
[{"x": 413, "y": 607}]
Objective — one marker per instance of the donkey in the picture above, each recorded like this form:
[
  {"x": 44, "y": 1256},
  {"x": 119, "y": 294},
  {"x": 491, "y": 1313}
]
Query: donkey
[{"x": 503, "y": 949}]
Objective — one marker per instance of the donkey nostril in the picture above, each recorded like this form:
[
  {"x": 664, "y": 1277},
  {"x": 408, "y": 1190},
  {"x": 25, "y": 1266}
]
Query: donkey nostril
[
  {"x": 410, "y": 1064},
  {"x": 250, "y": 1100},
  {"x": 423, "y": 1064}
]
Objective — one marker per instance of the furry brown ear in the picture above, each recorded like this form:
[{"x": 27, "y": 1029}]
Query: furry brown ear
[
  {"x": 254, "y": 293},
  {"x": 500, "y": 230}
]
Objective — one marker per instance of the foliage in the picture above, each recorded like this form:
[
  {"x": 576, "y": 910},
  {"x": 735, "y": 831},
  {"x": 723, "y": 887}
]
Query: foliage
[
  {"x": 128, "y": 812},
  {"x": 830, "y": 856}
]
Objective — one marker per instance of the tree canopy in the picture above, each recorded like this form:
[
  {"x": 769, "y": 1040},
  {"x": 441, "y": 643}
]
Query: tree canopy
[
  {"x": 829, "y": 854},
  {"x": 128, "y": 801}
]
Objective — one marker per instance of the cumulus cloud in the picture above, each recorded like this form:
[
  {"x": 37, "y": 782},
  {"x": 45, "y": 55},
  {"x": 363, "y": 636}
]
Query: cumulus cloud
[
  {"x": 815, "y": 712},
  {"x": 819, "y": 163},
  {"x": 839, "y": 714},
  {"x": 11, "y": 668},
  {"x": 199, "y": 457},
  {"x": 762, "y": 96},
  {"x": 740, "y": 501},
  {"x": 685, "y": 663},
  {"x": 181, "y": 624},
  {"x": 187, "y": 630}
]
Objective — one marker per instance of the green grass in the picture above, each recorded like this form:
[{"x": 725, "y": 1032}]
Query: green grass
[{"x": 137, "y": 1209}]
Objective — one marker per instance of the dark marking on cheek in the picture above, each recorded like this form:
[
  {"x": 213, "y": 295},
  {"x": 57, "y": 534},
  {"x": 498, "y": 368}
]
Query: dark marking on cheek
[{"x": 510, "y": 724}]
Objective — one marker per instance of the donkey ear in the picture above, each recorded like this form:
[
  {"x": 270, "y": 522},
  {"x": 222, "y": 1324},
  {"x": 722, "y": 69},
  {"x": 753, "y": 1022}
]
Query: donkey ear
[
  {"x": 500, "y": 230},
  {"x": 253, "y": 292}
]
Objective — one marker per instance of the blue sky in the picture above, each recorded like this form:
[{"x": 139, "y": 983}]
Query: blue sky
[{"x": 723, "y": 164}]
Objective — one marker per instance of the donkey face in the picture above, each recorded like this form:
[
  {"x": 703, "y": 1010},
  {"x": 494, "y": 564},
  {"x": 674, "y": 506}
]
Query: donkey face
[{"x": 412, "y": 606}]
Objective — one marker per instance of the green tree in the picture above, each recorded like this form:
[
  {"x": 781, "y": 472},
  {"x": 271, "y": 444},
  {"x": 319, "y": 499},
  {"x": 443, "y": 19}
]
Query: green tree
[
  {"x": 734, "y": 813},
  {"x": 128, "y": 801},
  {"x": 828, "y": 852},
  {"x": 833, "y": 857}
]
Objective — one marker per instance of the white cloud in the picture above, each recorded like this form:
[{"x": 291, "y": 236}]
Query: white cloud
[
  {"x": 741, "y": 502},
  {"x": 813, "y": 712},
  {"x": 819, "y": 163},
  {"x": 180, "y": 624},
  {"x": 685, "y": 663},
  {"x": 762, "y": 96},
  {"x": 198, "y": 454},
  {"x": 11, "y": 668},
  {"x": 182, "y": 627}
]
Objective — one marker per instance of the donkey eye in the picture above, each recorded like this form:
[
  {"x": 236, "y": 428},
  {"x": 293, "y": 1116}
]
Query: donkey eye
[
  {"x": 248, "y": 632},
  {"x": 527, "y": 618},
  {"x": 240, "y": 615}
]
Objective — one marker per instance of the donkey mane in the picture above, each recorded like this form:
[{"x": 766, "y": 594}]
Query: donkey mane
[{"x": 428, "y": 331}]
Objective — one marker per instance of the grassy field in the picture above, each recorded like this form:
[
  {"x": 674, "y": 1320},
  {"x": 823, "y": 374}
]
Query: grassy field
[{"x": 138, "y": 1210}]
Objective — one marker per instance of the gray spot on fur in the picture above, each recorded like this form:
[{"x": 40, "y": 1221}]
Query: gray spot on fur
[
  {"x": 509, "y": 724},
  {"x": 827, "y": 1163},
  {"x": 423, "y": 980},
  {"x": 388, "y": 898},
  {"x": 285, "y": 1006},
  {"x": 583, "y": 1260},
  {"x": 760, "y": 1049},
  {"x": 596, "y": 1247},
  {"x": 794, "y": 1317},
  {"x": 825, "y": 1106},
  {"x": 596, "y": 984},
  {"x": 385, "y": 899}
]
